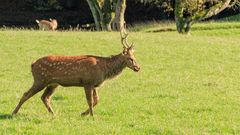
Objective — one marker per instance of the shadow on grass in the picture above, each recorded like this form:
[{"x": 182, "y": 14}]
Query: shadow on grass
[
  {"x": 226, "y": 27},
  {"x": 162, "y": 30},
  {"x": 197, "y": 28},
  {"x": 5, "y": 116},
  {"x": 58, "y": 98}
]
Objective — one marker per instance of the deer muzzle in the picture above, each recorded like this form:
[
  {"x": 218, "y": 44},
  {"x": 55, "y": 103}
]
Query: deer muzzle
[{"x": 136, "y": 68}]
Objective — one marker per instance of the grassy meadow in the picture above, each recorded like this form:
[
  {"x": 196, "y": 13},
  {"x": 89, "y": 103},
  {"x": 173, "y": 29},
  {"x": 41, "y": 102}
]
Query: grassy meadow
[{"x": 188, "y": 84}]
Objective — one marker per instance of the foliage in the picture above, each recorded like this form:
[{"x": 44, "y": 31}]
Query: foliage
[
  {"x": 187, "y": 84},
  {"x": 188, "y": 12},
  {"x": 166, "y": 5},
  {"x": 45, "y": 5}
]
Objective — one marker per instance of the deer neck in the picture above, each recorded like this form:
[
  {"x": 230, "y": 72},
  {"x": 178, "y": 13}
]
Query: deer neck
[{"x": 114, "y": 66}]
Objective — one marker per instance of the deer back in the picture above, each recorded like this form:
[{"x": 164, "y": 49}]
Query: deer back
[
  {"x": 69, "y": 70},
  {"x": 47, "y": 25}
]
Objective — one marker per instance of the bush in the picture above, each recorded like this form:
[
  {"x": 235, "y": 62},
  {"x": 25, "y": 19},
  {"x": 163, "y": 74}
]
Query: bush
[{"x": 44, "y": 5}]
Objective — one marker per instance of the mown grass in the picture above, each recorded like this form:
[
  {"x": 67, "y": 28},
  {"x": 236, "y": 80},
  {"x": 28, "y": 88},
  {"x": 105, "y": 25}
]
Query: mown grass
[{"x": 187, "y": 84}]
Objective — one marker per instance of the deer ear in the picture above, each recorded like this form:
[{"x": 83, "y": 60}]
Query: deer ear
[{"x": 132, "y": 46}]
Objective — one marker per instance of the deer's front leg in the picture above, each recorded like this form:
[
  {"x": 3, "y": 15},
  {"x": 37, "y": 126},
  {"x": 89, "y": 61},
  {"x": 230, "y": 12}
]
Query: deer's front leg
[
  {"x": 95, "y": 101},
  {"x": 89, "y": 97}
]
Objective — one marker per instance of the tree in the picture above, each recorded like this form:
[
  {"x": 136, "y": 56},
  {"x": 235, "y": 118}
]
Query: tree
[
  {"x": 188, "y": 12},
  {"x": 43, "y": 5},
  {"x": 108, "y": 12},
  {"x": 166, "y": 5},
  {"x": 119, "y": 21}
]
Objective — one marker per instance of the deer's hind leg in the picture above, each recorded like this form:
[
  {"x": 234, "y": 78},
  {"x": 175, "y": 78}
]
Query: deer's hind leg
[
  {"x": 46, "y": 97},
  {"x": 36, "y": 87}
]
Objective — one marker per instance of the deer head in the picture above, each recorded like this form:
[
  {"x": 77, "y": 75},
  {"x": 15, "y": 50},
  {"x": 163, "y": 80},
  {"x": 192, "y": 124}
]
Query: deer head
[
  {"x": 54, "y": 22},
  {"x": 128, "y": 52}
]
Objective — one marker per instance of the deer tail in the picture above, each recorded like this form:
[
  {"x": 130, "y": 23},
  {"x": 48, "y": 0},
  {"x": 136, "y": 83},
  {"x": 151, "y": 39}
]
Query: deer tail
[{"x": 37, "y": 21}]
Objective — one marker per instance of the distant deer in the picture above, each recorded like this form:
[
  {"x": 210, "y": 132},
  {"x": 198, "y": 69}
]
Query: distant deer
[
  {"x": 86, "y": 71},
  {"x": 47, "y": 25}
]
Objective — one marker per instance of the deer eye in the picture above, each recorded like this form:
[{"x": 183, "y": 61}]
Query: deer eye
[{"x": 131, "y": 60}]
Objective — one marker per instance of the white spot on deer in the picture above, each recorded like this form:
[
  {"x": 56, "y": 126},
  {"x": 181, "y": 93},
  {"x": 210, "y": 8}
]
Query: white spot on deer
[
  {"x": 69, "y": 64},
  {"x": 45, "y": 62}
]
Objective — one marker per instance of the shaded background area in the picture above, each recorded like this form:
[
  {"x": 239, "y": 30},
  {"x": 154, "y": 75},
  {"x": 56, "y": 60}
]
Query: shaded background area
[{"x": 15, "y": 13}]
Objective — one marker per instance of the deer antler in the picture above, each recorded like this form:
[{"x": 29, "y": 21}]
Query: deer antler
[
  {"x": 124, "y": 36},
  {"x": 126, "y": 41}
]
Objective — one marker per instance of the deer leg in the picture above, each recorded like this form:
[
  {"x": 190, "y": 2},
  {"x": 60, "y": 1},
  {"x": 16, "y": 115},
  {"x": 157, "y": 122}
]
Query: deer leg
[
  {"x": 32, "y": 91},
  {"x": 95, "y": 101},
  {"x": 89, "y": 96},
  {"x": 46, "y": 97}
]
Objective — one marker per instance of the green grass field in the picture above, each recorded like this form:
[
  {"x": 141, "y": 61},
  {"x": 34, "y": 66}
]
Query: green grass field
[{"x": 188, "y": 84}]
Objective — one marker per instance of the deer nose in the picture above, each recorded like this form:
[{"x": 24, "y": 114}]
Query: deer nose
[{"x": 136, "y": 68}]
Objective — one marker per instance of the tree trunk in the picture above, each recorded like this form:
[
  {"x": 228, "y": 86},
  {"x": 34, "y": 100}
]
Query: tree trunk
[
  {"x": 103, "y": 14},
  {"x": 214, "y": 10},
  {"x": 100, "y": 13},
  {"x": 179, "y": 16},
  {"x": 118, "y": 21},
  {"x": 184, "y": 23},
  {"x": 217, "y": 9},
  {"x": 95, "y": 14},
  {"x": 107, "y": 15}
]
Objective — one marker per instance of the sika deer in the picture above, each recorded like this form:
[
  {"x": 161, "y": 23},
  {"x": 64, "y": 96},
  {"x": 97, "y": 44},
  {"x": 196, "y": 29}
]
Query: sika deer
[
  {"x": 84, "y": 71},
  {"x": 47, "y": 25}
]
